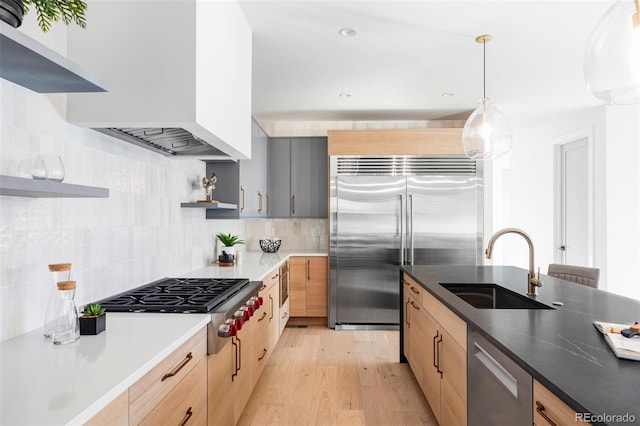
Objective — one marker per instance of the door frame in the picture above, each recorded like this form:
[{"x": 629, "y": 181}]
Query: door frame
[{"x": 588, "y": 134}]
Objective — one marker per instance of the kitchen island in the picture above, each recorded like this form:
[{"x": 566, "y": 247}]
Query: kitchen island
[{"x": 560, "y": 347}]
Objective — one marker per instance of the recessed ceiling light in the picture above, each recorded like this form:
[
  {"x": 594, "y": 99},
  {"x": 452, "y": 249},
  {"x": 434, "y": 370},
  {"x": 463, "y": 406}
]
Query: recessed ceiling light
[
  {"x": 345, "y": 95},
  {"x": 347, "y": 32},
  {"x": 447, "y": 94}
]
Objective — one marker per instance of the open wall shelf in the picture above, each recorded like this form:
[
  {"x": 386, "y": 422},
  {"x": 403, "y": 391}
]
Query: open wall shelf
[
  {"x": 22, "y": 187},
  {"x": 210, "y": 206}
]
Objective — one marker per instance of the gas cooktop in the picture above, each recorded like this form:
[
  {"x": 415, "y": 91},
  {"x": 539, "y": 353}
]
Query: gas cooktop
[{"x": 176, "y": 295}]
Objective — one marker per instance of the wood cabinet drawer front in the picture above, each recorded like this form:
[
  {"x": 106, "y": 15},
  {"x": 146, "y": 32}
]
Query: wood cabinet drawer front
[
  {"x": 147, "y": 392},
  {"x": 548, "y": 409},
  {"x": 114, "y": 414},
  {"x": 186, "y": 404},
  {"x": 271, "y": 279},
  {"x": 452, "y": 323},
  {"x": 413, "y": 287}
]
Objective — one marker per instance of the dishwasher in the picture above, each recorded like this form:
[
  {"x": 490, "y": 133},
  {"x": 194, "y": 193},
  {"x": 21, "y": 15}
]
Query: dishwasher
[{"x": 499, "y": 392}]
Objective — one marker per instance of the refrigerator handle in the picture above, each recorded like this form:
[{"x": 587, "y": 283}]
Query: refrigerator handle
[
  {"x": 401, "y": 229},
  {"x": 411, "y": 227}
]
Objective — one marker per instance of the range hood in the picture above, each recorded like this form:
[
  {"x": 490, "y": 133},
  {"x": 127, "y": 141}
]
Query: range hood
[{"x": 179, "y": 71}]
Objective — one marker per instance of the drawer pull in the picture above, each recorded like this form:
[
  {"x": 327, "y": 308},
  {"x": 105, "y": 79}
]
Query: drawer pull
[
  {"x": 264, "y": 286},
  {"x": 184, "y": 362},
  {"x": 285, "y": 315},
  {"x": 187, "y": 416},
  {"x": 541, "y": 410},
  {"x": 413, "y": 289},
  {"x": 264, "y": 353},
  {"x": 274, "y": 277},
  {"x": 415, "y": 306},
  {"x": 264, "y": 314}
]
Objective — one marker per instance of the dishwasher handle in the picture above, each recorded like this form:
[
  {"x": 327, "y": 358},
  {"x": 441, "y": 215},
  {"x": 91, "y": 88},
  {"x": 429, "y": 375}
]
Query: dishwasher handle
[{"x": 496, "y": 369}]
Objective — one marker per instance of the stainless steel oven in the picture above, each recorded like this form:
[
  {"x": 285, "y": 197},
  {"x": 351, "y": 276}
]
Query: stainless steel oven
[{"x": 284, "y": 282}]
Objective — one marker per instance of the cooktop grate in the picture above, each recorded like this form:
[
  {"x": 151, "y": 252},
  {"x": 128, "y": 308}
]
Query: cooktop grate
[{"x": 176, "y": 295}]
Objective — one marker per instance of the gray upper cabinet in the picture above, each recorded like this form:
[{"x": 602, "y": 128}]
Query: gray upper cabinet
[
  {"x": 244, "y": 182},
  {"x": 297, "y": 178},
  {"x": 279, "y": 177}
]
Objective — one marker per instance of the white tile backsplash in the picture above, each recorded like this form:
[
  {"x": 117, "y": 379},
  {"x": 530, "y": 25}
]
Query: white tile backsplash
[{"x": 137, "y": 235}]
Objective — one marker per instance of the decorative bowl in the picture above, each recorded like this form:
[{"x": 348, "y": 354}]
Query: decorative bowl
[{"x": 270, "y": 245}]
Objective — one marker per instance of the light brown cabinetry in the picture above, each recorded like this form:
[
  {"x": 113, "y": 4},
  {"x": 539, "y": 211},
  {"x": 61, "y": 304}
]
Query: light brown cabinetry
[
  {"x": 114, "y": 414},
  {"x": 308, "y": 286},
  {"x": 548, "y": 409},
  {"x": 186, "y": 403},
  {"x": 155, "y": 390},
  {"x": 437, "y": 353},
  {"x": 221, "y": 368}
]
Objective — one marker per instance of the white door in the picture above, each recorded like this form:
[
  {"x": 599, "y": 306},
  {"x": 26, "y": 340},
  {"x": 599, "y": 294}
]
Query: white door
[{"x": 573, "y": 247}]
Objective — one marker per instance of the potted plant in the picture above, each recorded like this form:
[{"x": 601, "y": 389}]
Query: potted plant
[
  {"x": 47, "y": 12},
  {"x": 228, "y": 242},
  {"x": 93, "y": 320}
]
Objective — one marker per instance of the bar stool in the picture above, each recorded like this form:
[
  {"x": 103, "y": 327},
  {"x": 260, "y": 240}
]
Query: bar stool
[{"x": 577, "y": 274}]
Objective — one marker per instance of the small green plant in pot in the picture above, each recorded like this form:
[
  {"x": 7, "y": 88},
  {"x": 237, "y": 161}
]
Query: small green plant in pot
[
  {"x": 93, "y": 319},
  {"x": 228, "y": 242}
]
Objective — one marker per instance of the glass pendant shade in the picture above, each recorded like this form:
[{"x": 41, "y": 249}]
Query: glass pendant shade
[
  {"x": 612, "y": 58},
  {"x": 486, "y": 134}
]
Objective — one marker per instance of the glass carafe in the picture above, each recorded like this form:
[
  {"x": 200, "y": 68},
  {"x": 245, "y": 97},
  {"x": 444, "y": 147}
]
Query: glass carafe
[
  {"x": 60, "y": 272},
  {"x": 66, "y": 327}
]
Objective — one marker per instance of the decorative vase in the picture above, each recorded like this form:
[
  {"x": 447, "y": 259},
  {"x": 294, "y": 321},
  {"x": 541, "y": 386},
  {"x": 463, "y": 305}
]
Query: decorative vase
[
  {"x": 91, "y": 326},
  {"x": 11, "y": 12}
]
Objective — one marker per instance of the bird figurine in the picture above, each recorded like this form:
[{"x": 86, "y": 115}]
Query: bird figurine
[{"x": 209, "y": 185}]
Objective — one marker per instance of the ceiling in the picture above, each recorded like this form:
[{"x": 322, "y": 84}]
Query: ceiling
[{"x": 406, "y": 54}]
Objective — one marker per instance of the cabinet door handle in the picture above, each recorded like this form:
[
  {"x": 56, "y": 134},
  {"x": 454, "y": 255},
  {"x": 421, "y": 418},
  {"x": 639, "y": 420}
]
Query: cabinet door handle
[
  {"x": 285, "y": 315},
  {"x": 541, "y": 410},
  {"x": 264, "y": 353},
  {"x": 268, "y": 210},
  {"x": 293, "y": 204},
  {"x": 438, "y": 351},
  {"x": 271, "y": 301},
  {"x": 235, "y": 367},
  {"x": 259, "y": 202},
  {"x": 242, "y": 190},
  {"x": 406, "y": 313},
  {"x": 175, "y": 371},
  {"x": 435, "y": 355},
  {"x": 308, "y": 269},
  {"x": 187, "y": 416},
  {"x": 264, "y": 314}
]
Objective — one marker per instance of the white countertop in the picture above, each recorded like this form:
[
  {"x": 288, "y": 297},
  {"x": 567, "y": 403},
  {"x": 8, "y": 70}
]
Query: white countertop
[
  {"x": 254, "y": 265},
  {"x": 47, "y": 384}
]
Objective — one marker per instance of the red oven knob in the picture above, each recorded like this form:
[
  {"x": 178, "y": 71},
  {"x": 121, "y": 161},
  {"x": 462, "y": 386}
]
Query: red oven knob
[
  {"x": 227, "y": 330},
  {"x": 246, "y": 315},
  {"x": 260, "y": 300},
  {"x": 238, "y": 323}
]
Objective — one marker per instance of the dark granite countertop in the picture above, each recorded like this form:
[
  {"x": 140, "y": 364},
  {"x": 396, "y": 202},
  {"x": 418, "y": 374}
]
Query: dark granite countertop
[{"x": 560, "y": 348}]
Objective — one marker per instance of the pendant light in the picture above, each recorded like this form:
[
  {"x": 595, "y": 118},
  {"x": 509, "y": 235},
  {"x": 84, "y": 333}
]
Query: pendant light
[
  {"x": 486, "y": 134},
  {"x": 612, "y": 58}
]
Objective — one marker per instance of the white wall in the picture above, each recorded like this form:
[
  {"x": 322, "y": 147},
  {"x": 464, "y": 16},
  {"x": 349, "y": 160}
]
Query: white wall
[
  {"x": 522, "y": 192},
  {"x": 137, "y": 235}
]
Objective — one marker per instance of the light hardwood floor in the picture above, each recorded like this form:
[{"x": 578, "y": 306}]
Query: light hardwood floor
[{"x": 319, "y": 376}]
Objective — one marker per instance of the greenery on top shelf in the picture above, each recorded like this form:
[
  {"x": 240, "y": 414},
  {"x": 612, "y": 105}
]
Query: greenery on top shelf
[
  {"x": 93, "y": 310},
  {"x": 48, "y": 11},
  {"x": 229, "y": 240}
]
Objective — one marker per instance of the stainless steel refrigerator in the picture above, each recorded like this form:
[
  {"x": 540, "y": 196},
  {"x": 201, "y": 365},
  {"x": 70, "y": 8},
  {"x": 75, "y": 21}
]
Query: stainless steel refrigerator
[{"x": 391, "y": 210}]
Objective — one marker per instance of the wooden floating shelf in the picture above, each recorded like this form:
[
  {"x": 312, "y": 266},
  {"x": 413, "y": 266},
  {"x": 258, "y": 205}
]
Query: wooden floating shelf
[
  {"x": 33, "y": 65},
  {"x": 34, "y": 188},
  {"x": 210, "y": 206}
]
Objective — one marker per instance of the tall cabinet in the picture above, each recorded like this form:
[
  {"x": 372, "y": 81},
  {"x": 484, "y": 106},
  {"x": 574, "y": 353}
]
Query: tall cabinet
[{"x": 297, "y": 177}]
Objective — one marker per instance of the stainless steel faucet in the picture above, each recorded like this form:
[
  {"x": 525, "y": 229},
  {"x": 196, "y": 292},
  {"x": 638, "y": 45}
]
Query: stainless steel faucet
[{"x": 533, "y": 282}]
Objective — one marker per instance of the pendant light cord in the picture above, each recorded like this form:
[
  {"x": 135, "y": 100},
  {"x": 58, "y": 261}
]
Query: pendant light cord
[{"x": 484, "y": 69}]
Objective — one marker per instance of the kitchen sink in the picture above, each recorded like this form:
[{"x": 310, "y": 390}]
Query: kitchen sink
[{"x": 492, "y": 296}]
